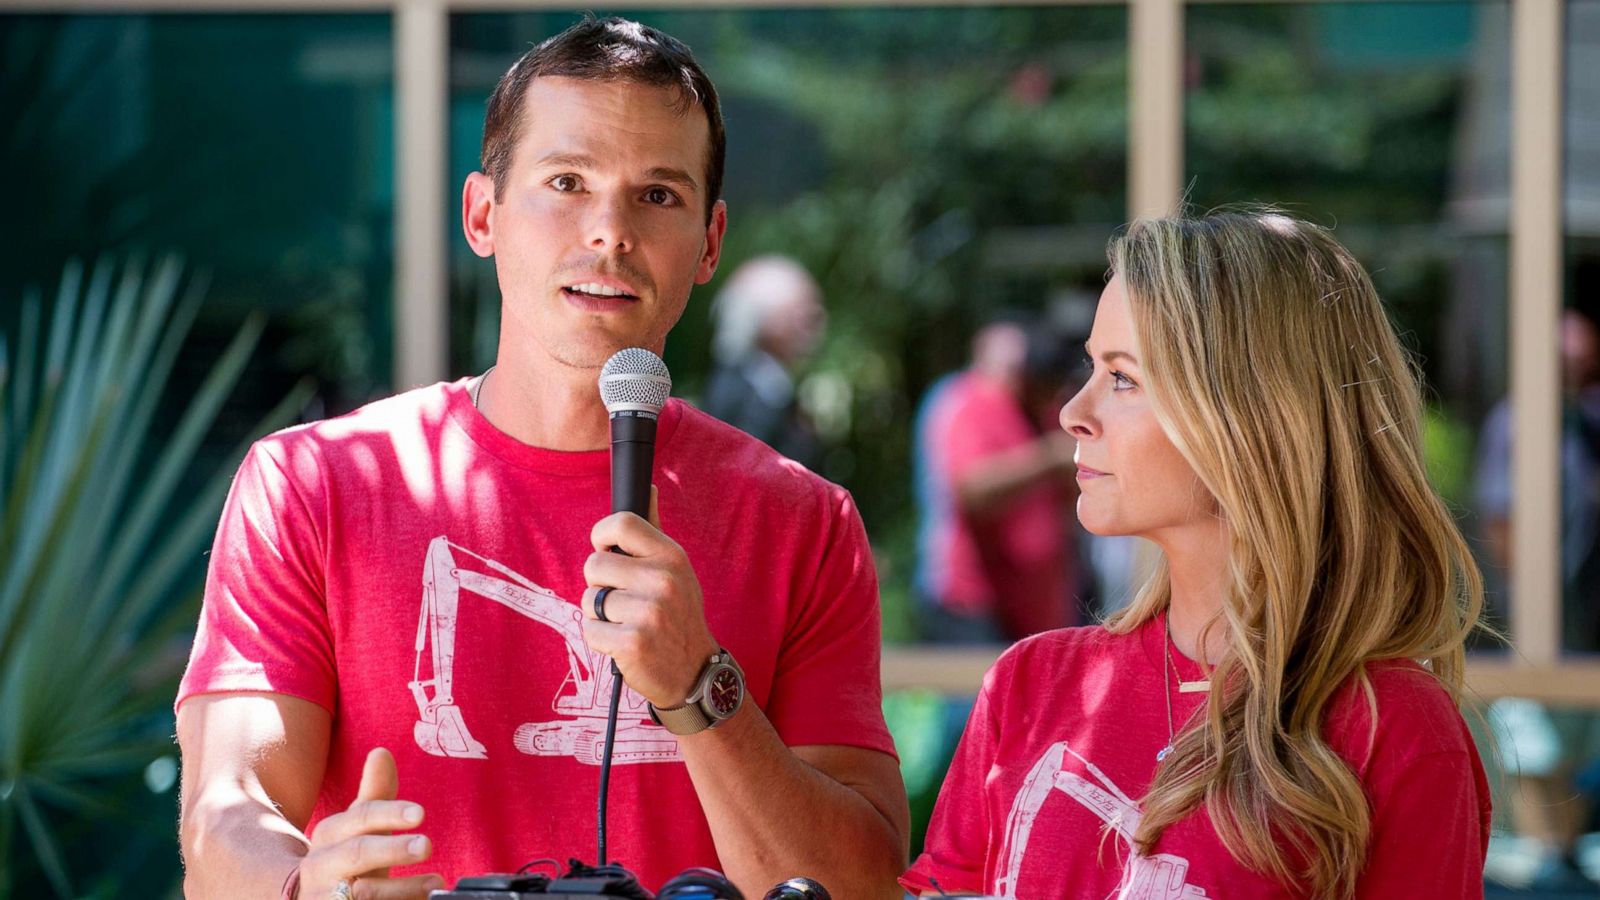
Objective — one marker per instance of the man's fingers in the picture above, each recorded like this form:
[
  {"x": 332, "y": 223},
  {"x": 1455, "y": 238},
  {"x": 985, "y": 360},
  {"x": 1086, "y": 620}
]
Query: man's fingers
[
  {"x": 374, "y": 853},
  {"x": 414, "y": 888},
  {"x": 367, "y": 857},
  {"x": 367, "y": 817},
  {"x": 608, "y": 638},
  {"x": 632, "y": 535},
  {"x": 380, "y": 780},
  {"x": 627, "y": 573},
  {"x": 622, "y": 607},
  {"x": 655, "y": 508}
]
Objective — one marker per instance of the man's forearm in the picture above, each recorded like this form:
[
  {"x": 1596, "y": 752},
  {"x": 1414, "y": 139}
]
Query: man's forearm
[
  {"x": 774, "y": 817},
  {"x": 236, "y": 847}
]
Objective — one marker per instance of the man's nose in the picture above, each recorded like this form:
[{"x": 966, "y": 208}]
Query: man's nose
[{"x": 611, "y": 227}]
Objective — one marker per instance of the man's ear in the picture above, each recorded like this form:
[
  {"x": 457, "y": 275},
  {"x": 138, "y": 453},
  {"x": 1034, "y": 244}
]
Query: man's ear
[
  {"x": 712, "y": 254},
  {"x": 477, "y": 202}
]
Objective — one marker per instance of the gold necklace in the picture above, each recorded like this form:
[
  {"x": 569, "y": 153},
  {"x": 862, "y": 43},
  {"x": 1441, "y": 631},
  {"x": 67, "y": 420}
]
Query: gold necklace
[{"x": 1184, "y": 687}]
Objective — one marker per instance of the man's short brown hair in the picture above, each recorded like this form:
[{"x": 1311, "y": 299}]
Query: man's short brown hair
[{"x": 609, "y": 49}]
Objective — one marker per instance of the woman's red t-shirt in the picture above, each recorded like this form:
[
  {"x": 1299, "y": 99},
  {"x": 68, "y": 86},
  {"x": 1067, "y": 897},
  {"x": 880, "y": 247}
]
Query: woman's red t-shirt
[{"x": 1044, "y": 791}]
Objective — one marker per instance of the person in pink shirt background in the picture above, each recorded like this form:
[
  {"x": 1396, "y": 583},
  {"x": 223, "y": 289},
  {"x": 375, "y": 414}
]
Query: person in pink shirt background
[{"x": 1276, "y": 714}]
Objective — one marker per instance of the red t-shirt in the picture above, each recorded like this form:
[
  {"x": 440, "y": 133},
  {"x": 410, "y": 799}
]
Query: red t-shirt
[
  {"x": 1016, "y": 562},
  {"x": 410, "y": 553},
  {"x": 1062, "y": 744}
]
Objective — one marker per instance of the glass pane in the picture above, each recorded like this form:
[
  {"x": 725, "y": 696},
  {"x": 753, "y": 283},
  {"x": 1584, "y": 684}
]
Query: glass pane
[
  {"x": 1580, "y": 339},
  {"x": 257, "y": 147},
  {"x": 1389, "y": 122},
  {"x": 928, "y": 167}
]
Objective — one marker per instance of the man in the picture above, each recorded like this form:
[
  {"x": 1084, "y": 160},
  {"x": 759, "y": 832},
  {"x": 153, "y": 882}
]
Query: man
[
  {"x": 995, "y": 558},
  {"x": 409, "y": 577},
  {"x": 769, "y": 318}
]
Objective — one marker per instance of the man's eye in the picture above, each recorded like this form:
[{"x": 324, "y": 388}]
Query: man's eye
[
  {"x": 565, "y": 183},
  {"x": 659, "y": 196}
]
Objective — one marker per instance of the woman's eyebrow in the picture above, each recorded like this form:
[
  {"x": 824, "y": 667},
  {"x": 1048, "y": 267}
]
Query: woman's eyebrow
[{"x": 1110, "y": 355}]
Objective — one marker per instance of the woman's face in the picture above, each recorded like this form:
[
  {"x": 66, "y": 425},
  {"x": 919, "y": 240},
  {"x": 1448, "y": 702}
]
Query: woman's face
[{"x": 1132, "y": 480}]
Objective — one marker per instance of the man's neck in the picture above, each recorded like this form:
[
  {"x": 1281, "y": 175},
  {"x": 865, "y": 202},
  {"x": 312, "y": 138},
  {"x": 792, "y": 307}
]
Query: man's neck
[{"x": 550, "y": 406}]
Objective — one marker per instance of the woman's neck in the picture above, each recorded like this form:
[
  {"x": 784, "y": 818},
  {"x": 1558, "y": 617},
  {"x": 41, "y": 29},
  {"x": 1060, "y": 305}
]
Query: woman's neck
[{"x": 1197, "y": 562}]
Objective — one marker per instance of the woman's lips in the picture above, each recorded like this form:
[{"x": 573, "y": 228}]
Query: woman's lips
[{"x": 1086, "y": 474}]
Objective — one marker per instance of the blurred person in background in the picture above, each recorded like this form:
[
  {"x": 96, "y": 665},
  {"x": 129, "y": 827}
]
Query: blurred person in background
[
  {"x": 769, "y": 318},
  {"x": 1277, "y": 712},
  {"x": 1544, "y": 749},
  {"x": 995, "y": 558}
]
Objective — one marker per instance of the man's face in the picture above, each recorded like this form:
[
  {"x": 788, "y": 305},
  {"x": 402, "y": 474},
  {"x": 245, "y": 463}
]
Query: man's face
[{"x": 600, "y": 231}]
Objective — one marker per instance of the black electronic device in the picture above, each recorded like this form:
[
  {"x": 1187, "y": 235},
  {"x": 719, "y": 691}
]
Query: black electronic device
[{"x": 581, "y": 882}]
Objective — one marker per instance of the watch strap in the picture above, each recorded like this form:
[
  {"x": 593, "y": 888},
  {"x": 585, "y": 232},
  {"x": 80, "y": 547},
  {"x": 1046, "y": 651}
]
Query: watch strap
[
  {"x": 691, "y": 717},
  {"x": 681, "y": 720}
]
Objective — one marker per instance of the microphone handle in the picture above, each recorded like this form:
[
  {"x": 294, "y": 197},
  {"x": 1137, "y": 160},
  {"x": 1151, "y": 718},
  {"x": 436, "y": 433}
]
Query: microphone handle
[{"x": 633, "y": 446}]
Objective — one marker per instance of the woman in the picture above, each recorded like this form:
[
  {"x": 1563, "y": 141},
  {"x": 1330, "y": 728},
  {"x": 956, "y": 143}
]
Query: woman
[{"x": 1276, "y": 712}]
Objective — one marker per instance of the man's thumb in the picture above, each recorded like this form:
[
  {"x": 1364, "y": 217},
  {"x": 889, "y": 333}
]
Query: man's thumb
[{"x": 380, "y": 780}]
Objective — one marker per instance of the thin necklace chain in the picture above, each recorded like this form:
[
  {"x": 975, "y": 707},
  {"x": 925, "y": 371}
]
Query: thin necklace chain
[
  {"x": 478, "y": 386},
  {"x": 1166, "y": 684}
]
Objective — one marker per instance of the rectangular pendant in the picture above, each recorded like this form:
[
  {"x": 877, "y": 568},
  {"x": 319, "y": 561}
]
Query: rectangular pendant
[{"x": 1194, "y": 687}]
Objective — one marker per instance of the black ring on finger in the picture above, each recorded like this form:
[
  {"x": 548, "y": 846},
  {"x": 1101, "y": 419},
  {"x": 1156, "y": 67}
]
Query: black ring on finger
[{"x": 600, "y": 603}]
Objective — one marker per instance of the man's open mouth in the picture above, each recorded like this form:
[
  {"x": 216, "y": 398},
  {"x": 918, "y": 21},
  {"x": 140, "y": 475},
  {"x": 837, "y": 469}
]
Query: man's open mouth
[{"x": 592, "y": 289}]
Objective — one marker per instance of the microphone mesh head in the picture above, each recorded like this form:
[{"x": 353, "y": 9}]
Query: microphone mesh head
[{"x": 635, "y": 378}]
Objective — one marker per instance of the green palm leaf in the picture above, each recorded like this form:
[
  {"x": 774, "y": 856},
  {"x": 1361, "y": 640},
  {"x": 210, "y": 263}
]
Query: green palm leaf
[{"x": 99, "y": 530}]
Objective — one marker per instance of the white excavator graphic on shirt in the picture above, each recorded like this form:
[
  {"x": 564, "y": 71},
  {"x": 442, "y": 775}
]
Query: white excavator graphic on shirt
[
  {"x": 1161, "y": 876},
  {"x": 581, "y": 702}
]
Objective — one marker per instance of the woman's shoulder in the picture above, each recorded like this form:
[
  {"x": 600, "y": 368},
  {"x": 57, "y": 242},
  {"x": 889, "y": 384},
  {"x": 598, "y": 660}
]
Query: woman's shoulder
[
  {"x": 1060, "y": 652},
  {"x": 1397, "y": 715}
]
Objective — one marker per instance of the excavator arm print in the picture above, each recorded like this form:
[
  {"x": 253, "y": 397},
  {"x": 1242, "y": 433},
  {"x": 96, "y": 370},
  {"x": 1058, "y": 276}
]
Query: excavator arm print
[{"x": 581, "y": 702}]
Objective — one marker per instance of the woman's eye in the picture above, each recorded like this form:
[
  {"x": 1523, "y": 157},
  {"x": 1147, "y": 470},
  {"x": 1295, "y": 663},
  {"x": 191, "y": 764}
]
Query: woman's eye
[{"x": 1120, "y": 382}]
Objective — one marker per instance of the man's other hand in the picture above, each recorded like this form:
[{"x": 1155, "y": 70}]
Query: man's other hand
[{"x": 358, "y": 845}]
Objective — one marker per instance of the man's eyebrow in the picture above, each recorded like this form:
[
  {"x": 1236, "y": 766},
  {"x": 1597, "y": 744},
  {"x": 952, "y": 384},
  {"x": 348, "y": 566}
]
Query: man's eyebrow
[
  {"x": 1110, "y": 355},
  {"x": 675, "y": 176},
  {"x": 571, "y": 160}
]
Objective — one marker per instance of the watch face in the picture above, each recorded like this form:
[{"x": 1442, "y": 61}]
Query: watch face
[{"x": 724, "y": 692}]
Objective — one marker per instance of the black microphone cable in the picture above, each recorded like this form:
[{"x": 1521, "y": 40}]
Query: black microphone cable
[{"x": 605, "y": 762}]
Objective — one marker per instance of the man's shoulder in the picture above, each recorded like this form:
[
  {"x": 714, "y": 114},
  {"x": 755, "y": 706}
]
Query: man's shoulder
[
  {"x": 380, "y": 426},
  {"x": 738, "y": 461}
]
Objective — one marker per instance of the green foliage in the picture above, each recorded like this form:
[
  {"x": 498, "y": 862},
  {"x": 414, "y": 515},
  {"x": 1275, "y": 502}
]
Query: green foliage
[{"x": 100, "y": 528}]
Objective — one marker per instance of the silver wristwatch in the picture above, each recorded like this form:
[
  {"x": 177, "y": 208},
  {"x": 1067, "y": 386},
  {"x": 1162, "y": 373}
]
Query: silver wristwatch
[{"x": 716, "y": 696}]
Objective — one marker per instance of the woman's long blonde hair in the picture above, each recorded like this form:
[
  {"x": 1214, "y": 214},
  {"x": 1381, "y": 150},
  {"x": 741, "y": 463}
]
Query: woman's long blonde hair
[{"x": 1274, "y": 369}]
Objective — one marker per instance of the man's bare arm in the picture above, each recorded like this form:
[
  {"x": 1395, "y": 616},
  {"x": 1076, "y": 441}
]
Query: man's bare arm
[
  {"x": 833, "y": 813},
  {"x": 252, "y": 770}
]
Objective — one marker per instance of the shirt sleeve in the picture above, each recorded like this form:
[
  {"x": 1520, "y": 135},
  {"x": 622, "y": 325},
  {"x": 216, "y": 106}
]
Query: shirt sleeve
[
  {"x": 1430, "y": 829},
  {"x": 263, "y": 621},
  {"x": 955, "y": 852},
  {"x": 976, "y": 429},
  {"x": 827, "y": 687}
]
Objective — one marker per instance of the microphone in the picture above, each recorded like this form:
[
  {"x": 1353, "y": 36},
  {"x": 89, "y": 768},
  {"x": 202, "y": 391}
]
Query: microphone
[{"x": 635, "y": 385}]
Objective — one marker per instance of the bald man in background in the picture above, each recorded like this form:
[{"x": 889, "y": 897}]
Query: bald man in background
[{"x": 769, "y": 318}]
